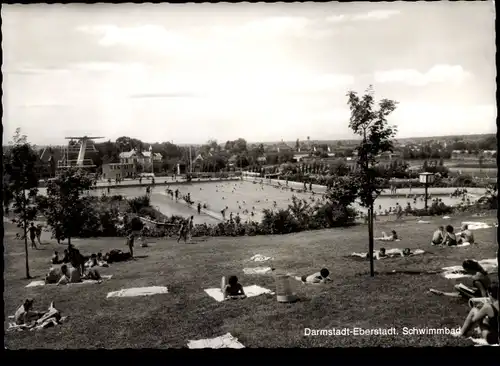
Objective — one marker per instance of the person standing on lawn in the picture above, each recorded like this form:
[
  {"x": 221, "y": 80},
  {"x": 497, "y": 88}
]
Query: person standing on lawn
[{"x": 33, "y": 231}]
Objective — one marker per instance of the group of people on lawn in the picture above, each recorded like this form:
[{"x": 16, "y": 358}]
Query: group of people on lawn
[{"x": 447, "y": 237}]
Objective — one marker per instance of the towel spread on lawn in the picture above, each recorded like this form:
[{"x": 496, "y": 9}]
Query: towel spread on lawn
[
  {"x": 455, "y": 272},
  {"x": 473, "y": 225},
  {"x": 225, "y": 341},
  {"x": 250, "y": 291},
  {"x": 257, "y": 270},
  {"x": 139, "y": 291},
  {"x": 260, "y": 258},
  {"x": 383, "y": 238},
  {"x": 42, "y": 282},
  {"x": 481, "y": 342}
]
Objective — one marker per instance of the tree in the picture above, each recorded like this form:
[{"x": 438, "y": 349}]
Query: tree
[
  {"x": 297, "y": 145},
  {"x": 371, "y": 124},
  {"x": 66, "y": 208},
  {"x": 21, "y": 185}
]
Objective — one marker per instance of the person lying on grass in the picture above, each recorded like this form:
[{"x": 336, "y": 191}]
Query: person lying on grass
[
  {"x": 465, "y": 236},
  {"x": 234, "y": 289},
  {"x": 392, "y": 237},
  {"x": 316, "y": 278},
  {"x": 480, "y": 282},
  {"x": 450, "y": 239},
  {"x": 438, "y": 236},
  {"x": 486, "y": 318},
  {"x": 25, "y": 314},
  {"x": 116, "y": 255}
]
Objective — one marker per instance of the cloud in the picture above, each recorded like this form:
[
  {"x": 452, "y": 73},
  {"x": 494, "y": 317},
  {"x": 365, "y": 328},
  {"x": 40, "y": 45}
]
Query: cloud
[
  {"x": 437, "y": 74},
  {"x": 372, "y": 15},
  {"x": 421, "y": 119}
]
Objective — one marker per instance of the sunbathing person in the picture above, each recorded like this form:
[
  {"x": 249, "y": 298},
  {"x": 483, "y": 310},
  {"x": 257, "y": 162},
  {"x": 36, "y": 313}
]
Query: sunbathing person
[
  {"x": 438, "y": 236},
  {"x": 486, "y": 318},
  {"x": 92, "y": 274},
  {"x": 480, "y": 282},
  {"x": 25, "y": 314},
  {"x": 450, "y": 239},
  {"x": 53, "y": 276},
  {"x": 55, "y": 258},
  {"x": 116, "y": 255},
  {"x": 92, "y": 262},
  {"x": 392, "y": 237},
  {"x": 71, "y": 275},
  {"x": 234, "y": 290},
  {"x": 65, "y": 257},
  {"x": 318, "y": 277},
  {"x": 465, "y": 236}
]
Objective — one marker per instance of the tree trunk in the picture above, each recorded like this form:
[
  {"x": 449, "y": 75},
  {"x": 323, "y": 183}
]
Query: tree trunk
[
  {"x": 25, "y": 229},
  {"x": 370, "y": 240}
]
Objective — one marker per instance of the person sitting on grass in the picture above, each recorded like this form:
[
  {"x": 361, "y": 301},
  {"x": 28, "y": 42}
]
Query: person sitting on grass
[
  {"x": 53, "y": 276},
  {"x": 480, "y": 282},
  {"x": 450, "y": 239},
  {"x": 486, "y": 318},
  {"x": 465, "y": 236},
  {"x": 234, "y": 289},
  {"x": 392, "y": 237},
  {"x": 438, "y": 236},
  {"x": 317, "y": 278},
  {"x": 55, "y": 258},
  {"x": 92, "y": 274},
  {"x": 92, "y": 262},
  {"x": 25, "y": 314},
  {"x": 71, "y": 275},
  {"x": 100, "y": 261}
]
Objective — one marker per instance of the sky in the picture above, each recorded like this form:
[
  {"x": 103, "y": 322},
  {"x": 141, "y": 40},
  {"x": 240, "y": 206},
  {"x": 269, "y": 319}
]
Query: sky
[{"x": 188, "y": 73}]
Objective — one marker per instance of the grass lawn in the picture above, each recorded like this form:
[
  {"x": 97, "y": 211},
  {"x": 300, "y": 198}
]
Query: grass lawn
[{"x": 353, "y": 299}]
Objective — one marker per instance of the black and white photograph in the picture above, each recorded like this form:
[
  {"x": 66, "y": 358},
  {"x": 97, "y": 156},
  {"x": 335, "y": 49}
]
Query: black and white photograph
[{"x": 250, "y": 175}]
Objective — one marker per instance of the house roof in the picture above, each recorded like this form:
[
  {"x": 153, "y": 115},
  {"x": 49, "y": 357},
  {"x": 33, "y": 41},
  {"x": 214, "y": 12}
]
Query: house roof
[
  {"x": 233, "y": 158},
  {"x": 128, "y": 154}
]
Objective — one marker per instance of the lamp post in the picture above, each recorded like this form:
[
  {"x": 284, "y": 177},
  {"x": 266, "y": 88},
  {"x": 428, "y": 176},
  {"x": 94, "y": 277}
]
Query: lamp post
[{"x": 426, "y": 179}]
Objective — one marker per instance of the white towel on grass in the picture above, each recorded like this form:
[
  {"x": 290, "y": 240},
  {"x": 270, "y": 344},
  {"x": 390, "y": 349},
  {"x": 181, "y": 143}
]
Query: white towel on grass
[
  {"x": 42, "y": 282},
  {"x": 473, "y": 225},
  {"x": 250, "y": 291},
  {"x": 139, "y": 291},
  {"x": 446, "y": 217},
  {"x": 260, "y": 258},
  {"x": 481, "y": 342},
  {"x": 225, "y": 341},
  {"x": 423, "y": 222},
  {"x": 257, "y": 270}
]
